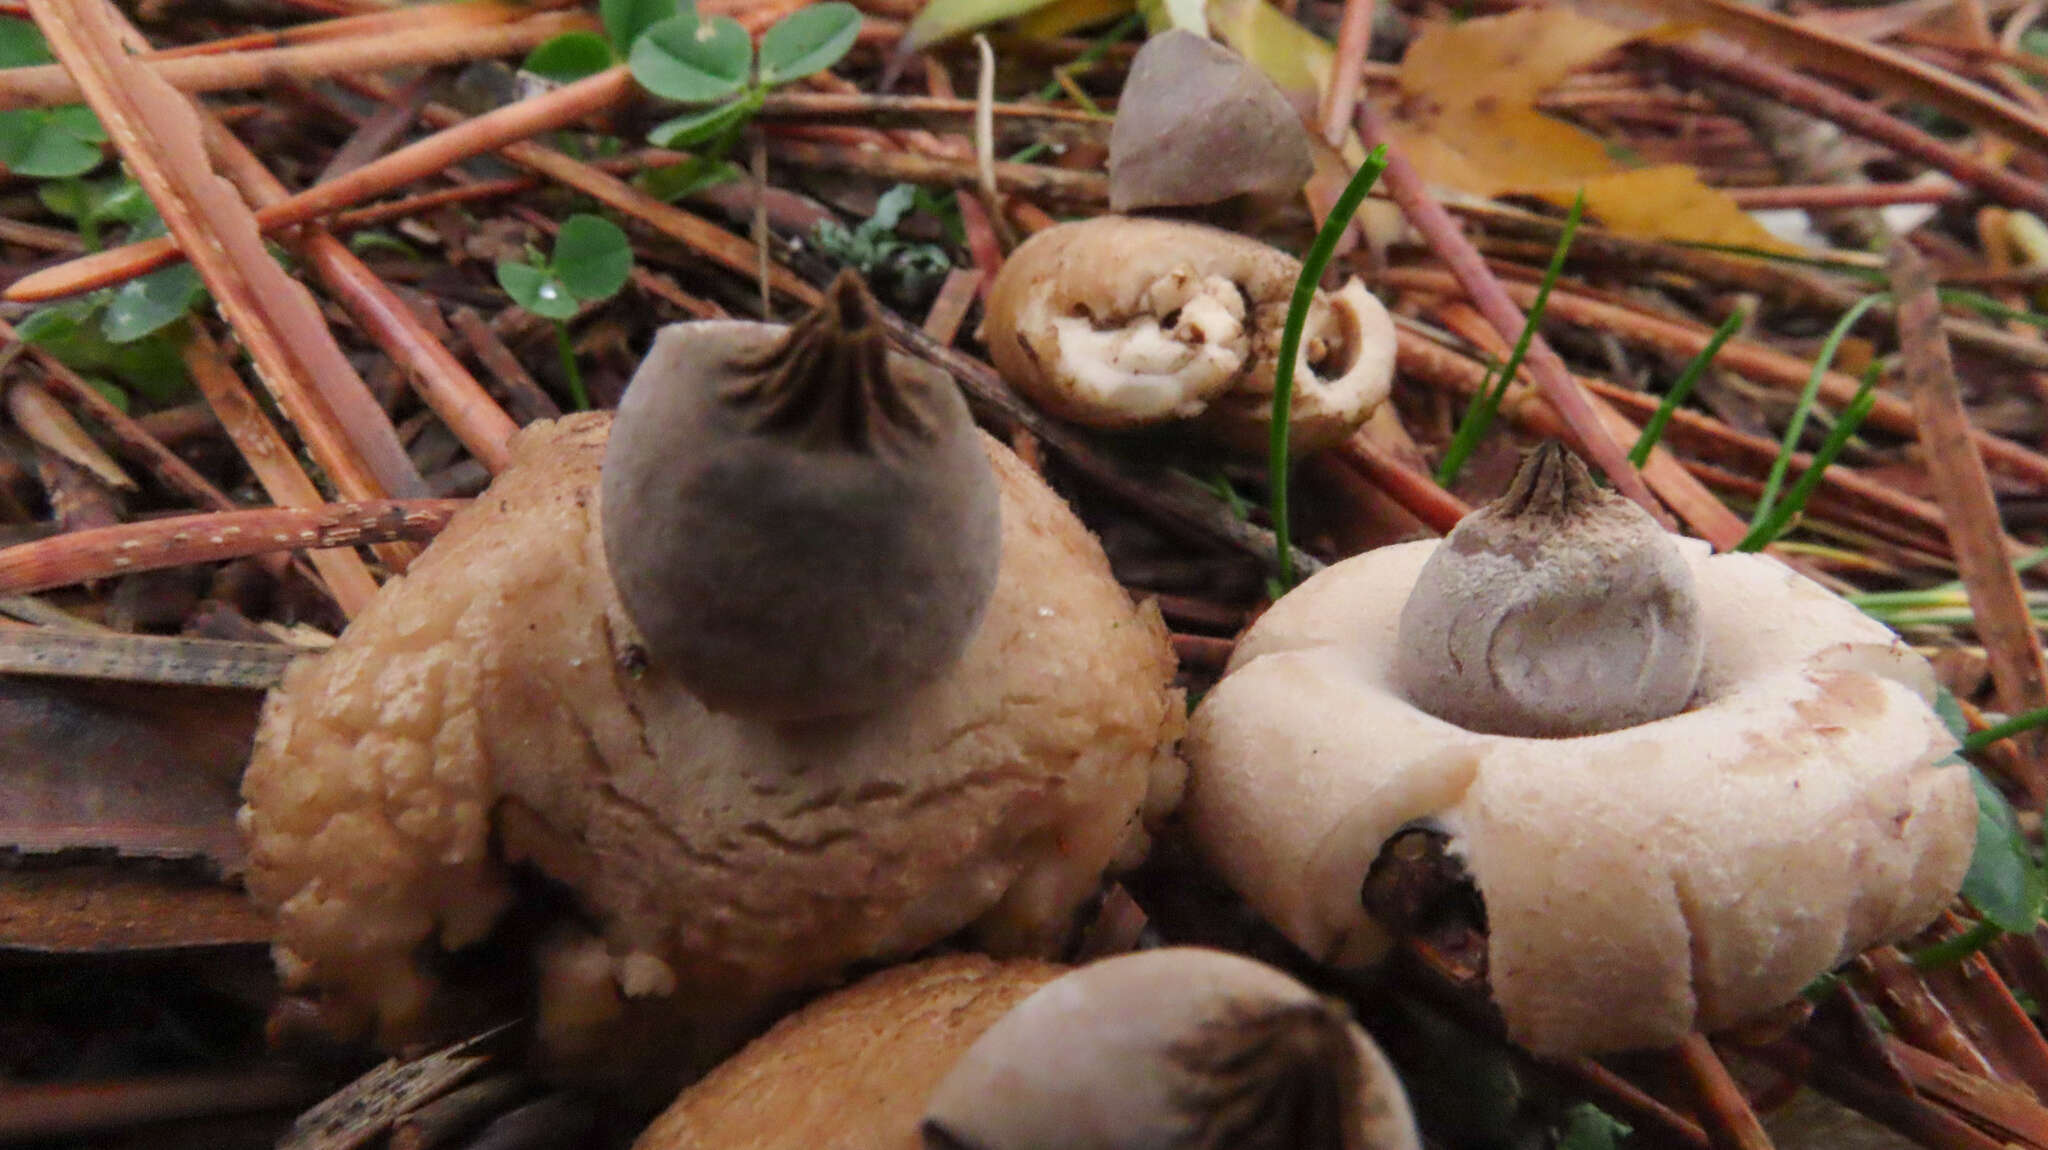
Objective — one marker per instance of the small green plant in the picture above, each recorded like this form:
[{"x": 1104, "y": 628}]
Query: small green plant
[
  {"x": 591, "y": 261},
  {"x": 95, "y": 204},
  {"x": 1766, "y": 527},
  {"x": 127, "y": 338},
  {"x": 693, "y": 62},
  {"x": 1478, "y": 418},
  {"x": 1587, "y": 1127},
  {"x": 707, "y": 64},
  {"x": 1945, "y": 604},
  {"x": 44, "y": 143},
  {"x": 2005, "y": 882},
  {"x": 881, "y": 256},
  {"x": 1821, "y": 365},
  {"x": 1772, "y": 517},
  {"x": 1312, "y": 265},
  {"x": 575, "y": 55}
]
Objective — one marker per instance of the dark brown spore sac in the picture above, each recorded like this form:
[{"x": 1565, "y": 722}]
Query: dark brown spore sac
[
  {"x": 1280, "y": 1077},
  {"x": 800, "y": 523}
]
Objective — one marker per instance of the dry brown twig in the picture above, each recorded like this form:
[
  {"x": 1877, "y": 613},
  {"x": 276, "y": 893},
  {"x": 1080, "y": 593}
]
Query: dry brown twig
[
  {"x": 1963, "y": 489},
  {"x": 1735, "y": 1125},
  {"x": 438, "y": 377},
  {"x": 154, "y": 544},
  {"x": 1753, "y": 360},
  {"x": 463, "y": 139},
  {"x": 158, "y": 134},
  {"x": 447, "y": 42}
]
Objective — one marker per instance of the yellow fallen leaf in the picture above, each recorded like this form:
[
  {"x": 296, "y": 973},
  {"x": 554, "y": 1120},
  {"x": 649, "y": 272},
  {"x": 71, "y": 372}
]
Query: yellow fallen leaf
[
  {"x": 1495, "y": 148},
  {"x": 1669, "y": 202},
  {"x": 1887, "y": 70},
  {"x": 1504, "y": 59},
  {"x": 1290, "y": 55},
  {"x": 1063, "y": 16},
  {"x": 1467, "y": 120},
  {"x": 1166, "y": 15},
  {"x": 945, "y": 19}
]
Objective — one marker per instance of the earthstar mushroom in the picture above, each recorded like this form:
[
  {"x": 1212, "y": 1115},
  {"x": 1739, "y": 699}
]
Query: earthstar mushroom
[
  {"x": 498, "y": 711},
  {"x": 1120, "y": 322},
  {"x": 1714, "y": 861}
]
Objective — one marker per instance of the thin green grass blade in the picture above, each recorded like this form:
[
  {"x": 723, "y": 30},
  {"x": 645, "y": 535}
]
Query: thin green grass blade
[
  {"x": 1990, "y": 308},
  {"x": 1859, "y": 269},
  {"x": 1479, "y": 417},
  {"x": 1949, "y": 592},
  {"x": 1766, "y": 504},
  {"x": 1950, "y": 951},
  {"x": 2017, "y": 725},
  {"x": 1768, "y": 527},
  {"x": 1654, "y": 429},
  {"x": 1312, "y": 266}
]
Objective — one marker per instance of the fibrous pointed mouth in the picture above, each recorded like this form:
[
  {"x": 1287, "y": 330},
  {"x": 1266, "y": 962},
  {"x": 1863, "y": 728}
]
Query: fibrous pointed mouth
[
  {"x": 1272, "y": 1075},
  {"x": 1552, "y": 482},
  {"x": 827, "y": 383},
  {"x": 847, "y": 306}
]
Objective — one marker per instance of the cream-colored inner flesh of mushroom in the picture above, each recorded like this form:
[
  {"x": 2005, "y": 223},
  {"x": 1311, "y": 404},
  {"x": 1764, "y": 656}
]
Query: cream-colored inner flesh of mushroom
[
  {"x": 1144, "y": 369},
  {"x": 1344, "y": 370},
  {"x": 1346, "y": 361}
]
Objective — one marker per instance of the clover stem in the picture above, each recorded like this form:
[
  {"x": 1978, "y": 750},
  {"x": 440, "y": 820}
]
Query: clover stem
[{"x": 577, "y": 395}]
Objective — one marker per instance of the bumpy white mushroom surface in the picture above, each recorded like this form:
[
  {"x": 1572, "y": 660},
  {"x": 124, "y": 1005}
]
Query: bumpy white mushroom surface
[
  {"x": 1639, "y": 884},
  {"x": 494, "y": 707},
  {"x": 1120, "y": 322}
]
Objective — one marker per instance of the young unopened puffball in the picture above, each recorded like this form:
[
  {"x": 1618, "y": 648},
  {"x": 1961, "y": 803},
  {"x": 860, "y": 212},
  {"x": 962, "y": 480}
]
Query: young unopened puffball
[
  {"x": 1558, "y": 609},
  {"x": 750, "y": 462},
  {"x": 1197, "y": 124}
]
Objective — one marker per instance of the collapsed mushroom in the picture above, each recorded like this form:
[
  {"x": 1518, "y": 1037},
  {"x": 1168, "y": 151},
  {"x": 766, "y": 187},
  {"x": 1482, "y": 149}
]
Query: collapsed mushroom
[
  {"x": 1178, "y": 1047},
  {"x": 1712, "y": 856},
  {"x": 1119, "y": 322},
  {"x": 500, "y": 711}
]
